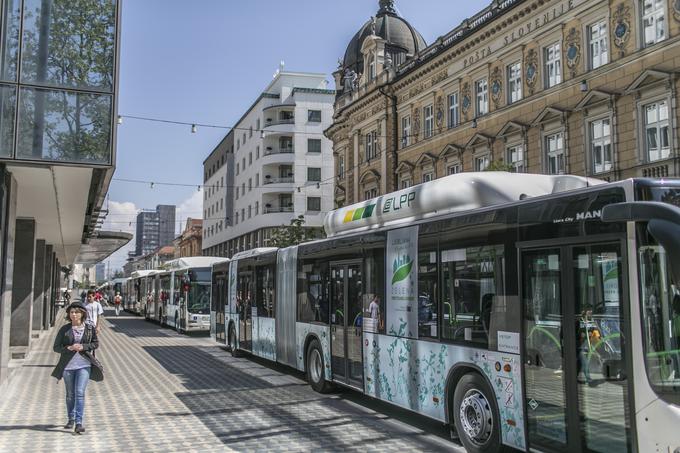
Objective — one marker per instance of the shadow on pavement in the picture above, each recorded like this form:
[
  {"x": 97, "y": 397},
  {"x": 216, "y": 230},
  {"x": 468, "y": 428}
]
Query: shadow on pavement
[
  {"x": 134, "y": 327},
  {"x": 54, "y": 428},
  {"x": 248, "y": 406}
]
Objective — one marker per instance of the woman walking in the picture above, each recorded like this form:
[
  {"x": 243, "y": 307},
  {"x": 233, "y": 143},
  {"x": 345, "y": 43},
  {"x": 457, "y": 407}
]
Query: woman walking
[{"x": 75, "y": 342}]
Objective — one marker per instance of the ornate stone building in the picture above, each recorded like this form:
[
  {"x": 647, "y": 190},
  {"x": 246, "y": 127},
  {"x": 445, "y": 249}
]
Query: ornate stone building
[{"x": 586, "y": 87}]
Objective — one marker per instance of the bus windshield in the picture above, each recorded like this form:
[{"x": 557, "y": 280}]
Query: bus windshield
[
  {"x": 198, "y": 302},
  {"x": 660, "y": 309}
]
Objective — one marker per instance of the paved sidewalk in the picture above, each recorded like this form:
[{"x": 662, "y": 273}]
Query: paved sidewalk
[{"x": 166, "y": 392}]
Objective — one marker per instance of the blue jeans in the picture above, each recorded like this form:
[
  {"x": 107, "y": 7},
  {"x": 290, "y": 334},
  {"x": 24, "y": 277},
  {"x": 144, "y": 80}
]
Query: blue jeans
[{"x": 76, "y": 383}]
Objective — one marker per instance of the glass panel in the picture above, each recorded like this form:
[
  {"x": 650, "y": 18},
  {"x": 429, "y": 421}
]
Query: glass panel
[
  {"x": 338, "y": 322},
  {"x": 11, "y": 18},
  {"x": 199, "y": 298},
  {"x": 602, "y": 382},
  {"x": 545, "y": 389},
  {"x": 355, "y": 317},
  {"x": 60, "y": 32},
  {"x": 64, "y": 126},
  {"x": 8, "y": 102},
  {"x": 427, "y": 288}
]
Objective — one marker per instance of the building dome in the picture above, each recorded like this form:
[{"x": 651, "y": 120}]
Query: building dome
[{"x": 402, "y": 39}]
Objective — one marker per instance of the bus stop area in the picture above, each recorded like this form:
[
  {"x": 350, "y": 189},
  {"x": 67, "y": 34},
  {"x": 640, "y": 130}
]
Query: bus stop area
[{"x": 168, "y": 392}]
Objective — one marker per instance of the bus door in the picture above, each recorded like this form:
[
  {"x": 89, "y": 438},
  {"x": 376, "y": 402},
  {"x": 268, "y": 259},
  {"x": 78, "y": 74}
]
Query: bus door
[
  {"x": 244, "y": 304},
  {"x": 575, "y": 370},
  {"x": 346, "y": 323},
  {"x": 217, "y": 301}
]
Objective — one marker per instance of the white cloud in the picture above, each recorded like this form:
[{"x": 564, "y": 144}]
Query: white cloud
[
  {"x": 191, "y": 207},
  {"x": 121, "y": 217}
]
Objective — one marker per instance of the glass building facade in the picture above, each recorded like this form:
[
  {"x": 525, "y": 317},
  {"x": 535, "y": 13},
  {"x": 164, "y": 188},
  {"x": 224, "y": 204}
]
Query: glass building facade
[{"x": 57, "y": 80}]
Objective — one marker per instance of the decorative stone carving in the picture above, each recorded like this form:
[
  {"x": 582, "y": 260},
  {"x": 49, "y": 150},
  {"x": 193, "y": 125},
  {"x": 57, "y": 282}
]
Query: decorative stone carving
[
  {"x": 497, "y": 86},
  {"x": 466, "y": 101},
  {"x": 621, "y": 27},
  {"x": 416, "y": 90},
  {"x": 531, "y": 68},
  {"x": 416, "y": 124},
  {"x": 440, "y": 112},
  {"x": 439, "y": 77},
  {"x": 573, "y": 48}
]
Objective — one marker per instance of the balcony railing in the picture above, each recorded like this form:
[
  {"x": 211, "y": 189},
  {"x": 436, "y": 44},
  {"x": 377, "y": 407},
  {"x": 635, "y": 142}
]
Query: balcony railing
[
  {"x": 285, "y": 150},
  {"x": 277, "y": 209},
  {"x": 282, "y": 180},
  {"x": 279, "y": 122}
]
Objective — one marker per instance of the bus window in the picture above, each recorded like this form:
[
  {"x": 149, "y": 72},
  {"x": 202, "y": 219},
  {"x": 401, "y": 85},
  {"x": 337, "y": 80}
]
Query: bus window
[
  {"x": 427, "y": 287},
  {"x": 265, "y": 289},
  {"x": 198, "y": 297},
  {"x": 313, "y": 283},
  {"x": 374, "y": 291},
  {"x": 472, "y": 286}
]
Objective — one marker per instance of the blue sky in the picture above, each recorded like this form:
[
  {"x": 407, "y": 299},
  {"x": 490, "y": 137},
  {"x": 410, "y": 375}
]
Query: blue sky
[{"x": 206, "y": 61}]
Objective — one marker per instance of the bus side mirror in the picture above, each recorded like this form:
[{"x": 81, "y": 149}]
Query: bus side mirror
[{"x": 668, "y": 235}]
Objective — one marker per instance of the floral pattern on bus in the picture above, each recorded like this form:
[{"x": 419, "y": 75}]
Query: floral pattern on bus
[
  {"x": 264, "y": 339},
  {"x": 302, "y": 331},
  {"x": 412, "y": 374}
]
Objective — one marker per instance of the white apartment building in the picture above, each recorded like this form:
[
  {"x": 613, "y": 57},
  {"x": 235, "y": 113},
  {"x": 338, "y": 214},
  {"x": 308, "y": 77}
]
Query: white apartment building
[{"x": 282, "y": 166}]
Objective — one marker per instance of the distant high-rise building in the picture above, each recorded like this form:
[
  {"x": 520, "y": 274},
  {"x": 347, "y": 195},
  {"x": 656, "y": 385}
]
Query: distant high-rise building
[
  {"x": 155, "y": 229},
  {"x": 166, "y": 217},
  {"x": 100, "y": 273}
]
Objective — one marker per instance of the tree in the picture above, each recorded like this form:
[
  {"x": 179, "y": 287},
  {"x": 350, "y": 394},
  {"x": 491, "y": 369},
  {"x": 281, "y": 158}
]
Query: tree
[
  {"x": 497, "y": 165},
  {"x": 294, "y": 234}
]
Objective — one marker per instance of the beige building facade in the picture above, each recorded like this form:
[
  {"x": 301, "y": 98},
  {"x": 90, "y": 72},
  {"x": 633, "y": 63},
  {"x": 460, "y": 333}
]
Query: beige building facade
[{"x": 583, "y": 87}]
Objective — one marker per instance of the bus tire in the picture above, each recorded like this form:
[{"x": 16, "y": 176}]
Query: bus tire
[
  {"x": 316, "y": 369},
  {"x": 232, "y": 342},
  {"x": 475, "y": 415},
  {"x": 178, "y": 329},
  {"x": 160, "y": 318}
]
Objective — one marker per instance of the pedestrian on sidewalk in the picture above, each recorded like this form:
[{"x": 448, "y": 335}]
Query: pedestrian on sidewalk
[
  {"x": 117, "y": 301},
  {"x": 94, "y": 310},
  {"x": 75, "y": 342}
]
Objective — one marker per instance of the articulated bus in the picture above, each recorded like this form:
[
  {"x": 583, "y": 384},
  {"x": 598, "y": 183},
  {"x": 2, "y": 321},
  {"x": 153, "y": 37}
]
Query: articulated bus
[
  {"x": 183, "y": 290},
  {"x": 535, "y": 312}
]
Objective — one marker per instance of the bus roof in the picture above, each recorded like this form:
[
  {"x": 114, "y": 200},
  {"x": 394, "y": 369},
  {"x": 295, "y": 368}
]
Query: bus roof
[
  {"x": 143, "y": 273},
  {"x": 192, "y": 261},
  {"x": 456, "y": 193},
  {"x": 253, "y": 252}
]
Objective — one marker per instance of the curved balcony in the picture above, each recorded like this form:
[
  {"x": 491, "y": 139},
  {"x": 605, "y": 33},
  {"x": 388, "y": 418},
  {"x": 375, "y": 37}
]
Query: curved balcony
[
  {"x": 277, "y": 209},
  {"x": 280, "y": 126},
  {"x": 281, "y": 180},
  {"x": 278, "y": 156}
]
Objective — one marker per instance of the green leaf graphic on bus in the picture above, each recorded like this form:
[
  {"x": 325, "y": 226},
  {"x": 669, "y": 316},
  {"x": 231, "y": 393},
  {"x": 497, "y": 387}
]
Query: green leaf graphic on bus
[{"x": 402, "y": 268}]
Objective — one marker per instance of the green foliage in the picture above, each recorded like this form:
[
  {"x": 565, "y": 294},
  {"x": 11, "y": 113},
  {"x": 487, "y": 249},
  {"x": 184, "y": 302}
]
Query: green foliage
[
  {"x": 294, "y": 234},
  {"x": 499, "y": 166}
]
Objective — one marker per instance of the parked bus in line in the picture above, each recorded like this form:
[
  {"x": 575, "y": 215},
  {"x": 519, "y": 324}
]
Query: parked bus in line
[
  {"x": 527, "y": 311},
  {"x": 141, "y": 288},
  {"x": 184, "y": 286}
]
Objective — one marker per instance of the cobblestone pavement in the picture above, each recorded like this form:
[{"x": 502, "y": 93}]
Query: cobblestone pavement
[{"x": 166, "y": 392}]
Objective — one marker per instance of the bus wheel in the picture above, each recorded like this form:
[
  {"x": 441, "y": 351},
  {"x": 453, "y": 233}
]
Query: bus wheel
[
  {"x": 476, "y": 416},
  {"x": 232, "y": 342},
  {"x": 177, "y": 327},
  {"x": 160, "y": 318},
  {"x": 315, "y": 368}
]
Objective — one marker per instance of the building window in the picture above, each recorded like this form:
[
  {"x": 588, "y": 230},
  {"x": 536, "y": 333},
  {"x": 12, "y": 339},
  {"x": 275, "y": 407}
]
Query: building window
[
  {"x": 250, "y": 211},
  {"x": 257, "y": 180},
  {"x": 250, "y": 132},
  {"x": 656, "y": 131},
  {"x": 428, "y": 115},
  {"x": 481, "y": 162},
  {"x": 250, "y": 158},
  {"x": 313, "y": 174},
  {"x": 257, "y": 207},
  {"x": 244, "y": 138},
  {"x": 599, "y": 47},
  {"x": 554, "y": 151},
  {"x": 237, "y": 218},
  {"x": 371, "y": 67},
  {"x": 314, "y": 116},
  {"x": 553, "y": 65},
  {"x": 238, "y": 144},
  {"x": 429, "y": 176},
  {"x": 454, "y": 169},
  {"x": 405, "y": 183},
  {"x": 237, "y": 193},
  {"x": 454, "y": 117},
  {"x": 341, "y": 166},
  {"x": 601, "y": 145},
  {"x": 371, "y": 145},
  {"x": 243, "y": 214},
  {"x": 370, "y": 193},
  {"x": 258, "y": 125},
  {"x": 405, "y": 131},
  {"x": 314, "y": 204},
  {"x": 243, "y": 165},
  {"x": 482, "y": 90},
  {"x": 237, "y": 168},
  {"x": 243, "y": 189},
  {"x": 250, "y": 184},
  {"x": 313, "y": 145},
  {"x": 514, "y": 82},
  {"x": 653, "y": 21},
  {"x": 515, "y": 157},
  {"x": 257, "y": 152}
]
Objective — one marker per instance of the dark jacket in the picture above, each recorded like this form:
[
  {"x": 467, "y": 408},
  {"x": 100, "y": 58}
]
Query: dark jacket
[{"x": 64, "y": 338}]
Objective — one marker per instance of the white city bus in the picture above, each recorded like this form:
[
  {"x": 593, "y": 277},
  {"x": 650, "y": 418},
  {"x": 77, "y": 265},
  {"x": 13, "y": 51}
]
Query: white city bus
[
  {"x": 526, "y": 311},
  {"x": 141, "y": 290},
  {"x": 184, "y": 298}
]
